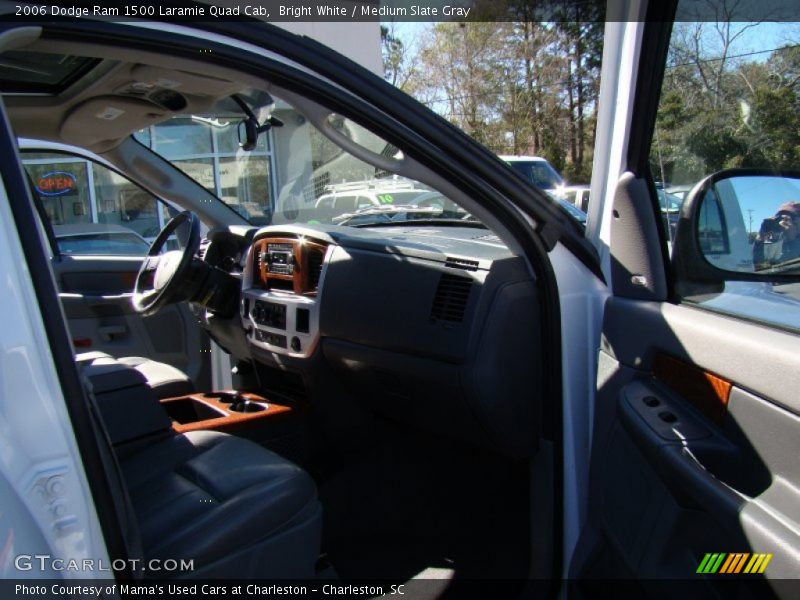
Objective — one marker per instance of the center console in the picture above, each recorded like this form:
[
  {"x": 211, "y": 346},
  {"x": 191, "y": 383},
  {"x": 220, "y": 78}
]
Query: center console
[
  {"x": 220, "y": 411},
  {"x": 279, "y": 427},
  {"x": 279, "y": 305},
  {"x": 134, "y": 416}
]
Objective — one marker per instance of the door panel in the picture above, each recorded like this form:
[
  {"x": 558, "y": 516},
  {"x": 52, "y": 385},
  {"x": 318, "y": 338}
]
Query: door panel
[
  {"x": 675, "y": 476},
  {"x": 694, "y": 475},
  {"x": 754, "y": 356},
  {"x": 98, "y": 218},
  {"x": 96, "y": 295}
]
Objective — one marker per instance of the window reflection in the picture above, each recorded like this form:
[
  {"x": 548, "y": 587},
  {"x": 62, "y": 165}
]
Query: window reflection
[
  {"x": 208, "y": 151},
  {"x": 244, "y": 183},
  {"x": 63, "y": 187},
  {"x": 199, "y": 169},
  {"x": 181, "y": 137},
  {"x": 93, "y": 209}
]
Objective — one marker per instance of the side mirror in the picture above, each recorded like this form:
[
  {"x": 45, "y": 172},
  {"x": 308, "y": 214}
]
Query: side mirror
[{"x": 738, "y": 225}]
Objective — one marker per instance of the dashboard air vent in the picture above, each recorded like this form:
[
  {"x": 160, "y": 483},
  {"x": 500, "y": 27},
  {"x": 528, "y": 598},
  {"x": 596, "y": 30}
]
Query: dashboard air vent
[
  {"x": 315, "y": 258},
  {"x": 450, "y": 302},
  {"x": 461, "y": 263}
]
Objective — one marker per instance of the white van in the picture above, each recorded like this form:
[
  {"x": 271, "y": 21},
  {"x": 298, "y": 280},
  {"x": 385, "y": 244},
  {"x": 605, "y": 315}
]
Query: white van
[{"x": 350, "y": 196}]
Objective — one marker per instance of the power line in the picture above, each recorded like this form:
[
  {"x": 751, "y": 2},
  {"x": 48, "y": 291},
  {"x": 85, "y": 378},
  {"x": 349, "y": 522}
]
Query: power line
[
  {"x": 708, "y": 60},
  {"x": 558, "y": 85},
  {"x": 561, "y": 85}
]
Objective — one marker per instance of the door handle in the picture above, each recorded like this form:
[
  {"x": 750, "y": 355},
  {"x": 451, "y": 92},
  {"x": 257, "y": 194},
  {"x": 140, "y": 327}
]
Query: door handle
[
  {"x": 694, "y": 485},
  {"x": 109, "y": 333},
  {"x": 689, "y": 480}
]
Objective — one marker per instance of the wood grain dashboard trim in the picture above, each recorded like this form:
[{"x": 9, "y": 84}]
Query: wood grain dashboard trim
[{"x": 302, "y": 249}]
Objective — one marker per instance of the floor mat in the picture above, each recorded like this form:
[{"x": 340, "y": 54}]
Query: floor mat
[{"x": 416, "y": 504}]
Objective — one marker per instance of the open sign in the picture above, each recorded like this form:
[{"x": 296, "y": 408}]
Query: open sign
[{"x": 57, "y": 183}]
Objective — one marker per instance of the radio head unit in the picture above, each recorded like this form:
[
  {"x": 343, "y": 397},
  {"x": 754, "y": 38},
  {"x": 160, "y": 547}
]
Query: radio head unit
[{"x": 279, "y": 258}]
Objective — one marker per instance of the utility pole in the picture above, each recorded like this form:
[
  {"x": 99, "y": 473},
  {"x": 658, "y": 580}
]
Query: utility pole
[
  {"x": 661, "y": 162},
  {"x": 750, "y": 212}
]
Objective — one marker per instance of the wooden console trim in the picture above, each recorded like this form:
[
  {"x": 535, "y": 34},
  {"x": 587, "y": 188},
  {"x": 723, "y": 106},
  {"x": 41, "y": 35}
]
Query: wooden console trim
[
  {"x": 233, "y": 420},
  {"x": 301, "y": 250}
]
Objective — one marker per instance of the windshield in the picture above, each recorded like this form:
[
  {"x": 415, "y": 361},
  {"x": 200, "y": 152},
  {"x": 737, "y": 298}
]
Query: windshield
[
  {"x": 294, "y": 173},
  {"x": 539, "y": 173}
]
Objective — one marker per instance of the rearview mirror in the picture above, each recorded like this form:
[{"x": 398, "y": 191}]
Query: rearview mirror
[
  {"x": 249, "y": 129},
  {"x": 248, "y": 134},
  {"x": 739, "y": 225}
]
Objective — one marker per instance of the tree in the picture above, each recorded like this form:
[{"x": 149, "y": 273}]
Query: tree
[
  {"x": 581, "y": 29},
  {"x": 462, "y": 75},
  {"x": 399, "y": 60},
  {"x": 722, "y": 107},
  {"x": 517, "y": 85}
]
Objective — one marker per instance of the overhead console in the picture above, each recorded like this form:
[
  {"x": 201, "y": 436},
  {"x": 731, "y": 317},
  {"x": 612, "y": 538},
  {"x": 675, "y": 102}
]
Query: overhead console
[{"x": 281, "y": 284}]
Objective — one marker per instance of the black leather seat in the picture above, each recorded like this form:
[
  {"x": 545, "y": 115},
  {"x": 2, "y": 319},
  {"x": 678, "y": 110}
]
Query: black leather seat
[
  {"x": 235, "y": 508},
  {"x": 165, "y": 380}
]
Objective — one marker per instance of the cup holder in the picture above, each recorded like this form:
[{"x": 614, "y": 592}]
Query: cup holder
[
  {"x": 247, "y": 406},
  {"x": 225, "y": 397}
]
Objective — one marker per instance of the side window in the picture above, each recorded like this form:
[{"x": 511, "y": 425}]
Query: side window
[
  {"x": 94, "y": 210},
  {"x": 326, "y": 203},
  {"x": 364, "y": 202},
  {"x": 730, "y": 107},
  {"x": 345, "y": 203}
]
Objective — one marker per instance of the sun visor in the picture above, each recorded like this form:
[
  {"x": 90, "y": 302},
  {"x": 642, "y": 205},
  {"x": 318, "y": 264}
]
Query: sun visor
[
  {"x": 105, "y": 120},
  {"x": 183, "y": 82}
]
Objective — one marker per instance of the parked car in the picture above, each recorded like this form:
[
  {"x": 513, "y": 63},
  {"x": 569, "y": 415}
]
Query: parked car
[
  {"x": 679, "y": 190},
  {"x": 577, "y": 195},
  {"x": 377, "y": 192},
  {"x": 573, "y": 210},
  {"x": 537, "y": 171},
  {"x": 670, "y": 211}
]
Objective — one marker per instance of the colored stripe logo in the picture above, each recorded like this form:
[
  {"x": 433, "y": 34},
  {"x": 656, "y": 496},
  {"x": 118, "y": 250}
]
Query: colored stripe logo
[{"x": 736, "y": 562}]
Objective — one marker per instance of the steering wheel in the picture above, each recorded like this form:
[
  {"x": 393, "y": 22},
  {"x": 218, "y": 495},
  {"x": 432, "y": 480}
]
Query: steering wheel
[{"x": 161, "y": 277}]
